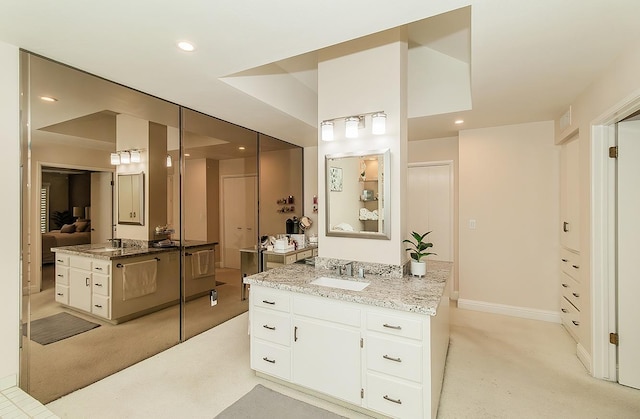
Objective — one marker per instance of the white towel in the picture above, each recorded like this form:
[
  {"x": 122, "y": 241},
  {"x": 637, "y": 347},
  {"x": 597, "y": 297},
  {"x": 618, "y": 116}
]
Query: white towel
[
  {"x": 139, "y": 278},
  {"x": 203, "y": 263}
]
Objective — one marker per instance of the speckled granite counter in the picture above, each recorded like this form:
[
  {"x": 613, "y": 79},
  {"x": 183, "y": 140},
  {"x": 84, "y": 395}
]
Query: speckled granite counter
[
  {"x": 98, "y": 251},
  {"x": 418, "y": 295}
]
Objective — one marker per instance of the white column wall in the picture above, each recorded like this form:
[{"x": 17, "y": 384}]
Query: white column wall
[
  {"x": 366, "y": 75},
  {"x": 10, "y": 191}
]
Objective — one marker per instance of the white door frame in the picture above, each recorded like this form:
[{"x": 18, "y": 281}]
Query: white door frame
[
  {"x": 449, "y": 164},
  {"x": 603, "y": 237},
  {"x": 222, "y": 214}
]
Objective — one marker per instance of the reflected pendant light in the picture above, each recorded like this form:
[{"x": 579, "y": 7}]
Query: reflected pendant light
[
  {"x": 327, "y": 131},
  {"x": 378, "y": 123},
  {"x": 125, "y": 157},
  {"x": 135, "y": 156},
  {"x": 115, "y": 159},
  {"x": 351, "y": 127}
]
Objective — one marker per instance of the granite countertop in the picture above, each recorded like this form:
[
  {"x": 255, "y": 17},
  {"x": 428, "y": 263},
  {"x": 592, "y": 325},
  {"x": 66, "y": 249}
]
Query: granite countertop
[
  {"x": 93, "y": 250},
  {"x": 418, "y": 295}
]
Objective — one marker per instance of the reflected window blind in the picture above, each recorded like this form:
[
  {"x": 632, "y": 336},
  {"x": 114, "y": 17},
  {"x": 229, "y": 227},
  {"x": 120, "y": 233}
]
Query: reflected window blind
[{"x": 44, "y": 208}]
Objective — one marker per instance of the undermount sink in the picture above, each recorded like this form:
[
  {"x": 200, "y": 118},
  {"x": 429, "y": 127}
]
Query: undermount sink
[
  {"x": 343, "y": 284},
  {"x": 103, "y": 249}
]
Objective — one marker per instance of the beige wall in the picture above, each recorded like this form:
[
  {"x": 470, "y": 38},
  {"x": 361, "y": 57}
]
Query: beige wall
[
  {"x": 442, "y": 149},
  {"x": 10, "y": 190},
  {"x": 508, "y": 183}
]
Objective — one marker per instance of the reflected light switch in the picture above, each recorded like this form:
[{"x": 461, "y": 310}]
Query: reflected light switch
[{"x": 472, "y": 224}]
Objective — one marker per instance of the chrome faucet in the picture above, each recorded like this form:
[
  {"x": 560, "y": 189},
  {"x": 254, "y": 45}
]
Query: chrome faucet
[
  {"x": 117, "y": 243},
  {"x": 347, "y": 269}
]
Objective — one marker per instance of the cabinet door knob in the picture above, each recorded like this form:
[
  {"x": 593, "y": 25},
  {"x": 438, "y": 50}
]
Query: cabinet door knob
[
  {"x": 397, "y": 401},
  {"x": 271, "y": 361},
  {"x": 390, "y": 358}
]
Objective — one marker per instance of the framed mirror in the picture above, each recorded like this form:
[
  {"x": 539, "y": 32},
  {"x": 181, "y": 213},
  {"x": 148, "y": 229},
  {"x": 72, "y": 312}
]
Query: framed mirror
[
  {"x": 131, "y": 199},
  {"x": 357, "y": 189}
]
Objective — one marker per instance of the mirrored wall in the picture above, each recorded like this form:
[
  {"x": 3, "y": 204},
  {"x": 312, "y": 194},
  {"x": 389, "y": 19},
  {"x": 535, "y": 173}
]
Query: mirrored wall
[{"x": 117, "y": 178}]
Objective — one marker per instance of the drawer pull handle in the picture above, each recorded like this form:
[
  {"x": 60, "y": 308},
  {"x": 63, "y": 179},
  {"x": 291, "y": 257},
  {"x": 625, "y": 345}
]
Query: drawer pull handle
[
  {"x": 97, "y": 284},
  {"x": 576, "y": 266},
  {"x": 269, "y": 302},
  {"x": 575, "y": 322},
  {"x": 390, "y": 358},
  {"x": 60, "y": 260},
  {"x": 60, "y": 275},
  {"x": 565, "y": 285},
  {"x": 565, "y": 227},
  {"x": 575, "y": 294},
  {"x": 271, "y": 361},
  {"x": 392, "y": 400},
  {"x": 564, "y": 310},
  {"x": 295, "y": 333},
  {"x": 98, "y": 305},
  {"x": 269, "y": 327},
  {"x": 60, "y": 294},
  {"x": 565, "y": 260},
  {"x": 390, "y": 326},
  {"x": 98, "y": 268},
  {"x": 86, "y": 281}
]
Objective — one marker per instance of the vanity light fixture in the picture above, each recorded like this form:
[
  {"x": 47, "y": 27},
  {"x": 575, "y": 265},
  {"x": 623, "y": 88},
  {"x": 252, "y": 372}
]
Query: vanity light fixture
[
  {"x": 169, "y": 161},
  {"x": 115, "y": 159},
  {"x": 135, "y": 156},
  {"x": 353, "y": 123},
  {"x": 125, "y": 157},
  {"x": 326, "y": 131}
]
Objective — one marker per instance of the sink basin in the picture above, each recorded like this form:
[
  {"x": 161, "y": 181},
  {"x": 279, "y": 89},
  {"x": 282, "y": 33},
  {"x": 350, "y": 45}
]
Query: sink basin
[
  {"x": 103, "y": 249},
  {"x": 343, "y": 284}
]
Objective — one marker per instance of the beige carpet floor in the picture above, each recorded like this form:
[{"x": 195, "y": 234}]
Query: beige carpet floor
[
  {"x": 65, "y": 366},
  {"x": 498, "y": 367}
]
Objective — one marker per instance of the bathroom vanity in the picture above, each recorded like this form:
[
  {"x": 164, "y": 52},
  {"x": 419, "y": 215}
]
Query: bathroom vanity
[
  {"x": 377, "y": 343},
  {"x": 95, "y": 281}
]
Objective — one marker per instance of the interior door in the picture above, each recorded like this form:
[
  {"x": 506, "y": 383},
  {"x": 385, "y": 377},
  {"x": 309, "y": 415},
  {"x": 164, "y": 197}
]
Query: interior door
[
  {"x": 239, "y": 212},
  {"x": 430, "y": 205},
  {"x": 628, "y": 261},
  {"x": 101, "y": 206}
]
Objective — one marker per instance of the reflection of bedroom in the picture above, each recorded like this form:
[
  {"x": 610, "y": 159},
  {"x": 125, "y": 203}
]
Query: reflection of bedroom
[{"x": 65, "y": 209}]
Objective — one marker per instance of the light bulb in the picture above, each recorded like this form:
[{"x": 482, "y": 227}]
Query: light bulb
[
  {"x": 351, "y": 127},
  {"x": 327, "y": 131}
]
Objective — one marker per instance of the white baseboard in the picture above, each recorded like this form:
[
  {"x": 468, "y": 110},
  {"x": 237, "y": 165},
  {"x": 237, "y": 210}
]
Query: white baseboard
[
  {"x": 8, "y": 382},
  {"x": 513, "y": 311},
  {"x": 584, "y": 357}
]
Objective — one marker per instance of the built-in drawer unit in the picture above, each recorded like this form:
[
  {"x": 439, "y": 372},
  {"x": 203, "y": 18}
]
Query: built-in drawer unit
[
  {"x": 304, "y": 254},
  {"x": 62, "y": 259},
  {"x": 62, "y": 274},
  {"x": 400, "y": 326},
  {"x": 393, "y": 397},
  {"x": 570, "y": 317},
  {"x": 101, "y": 267},
  {"x": 401, "y": 359},
  {"x": 62, "y": 294},
  {"x": 100, "y": 306},
  {"x": 570, "y": 263},
  {"x": 100, "y": 284},
  {"x": 270, "y": 299},
  {"x": 570, "y": 290},
  {"x": 271, "y": 359},
  {"x": 271, "y": 326}
]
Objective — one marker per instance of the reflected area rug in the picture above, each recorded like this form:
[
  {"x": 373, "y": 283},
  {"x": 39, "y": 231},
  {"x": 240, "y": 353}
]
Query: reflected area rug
[
  {"x": 262, "y": 402},
  {"x": 58, "y": 327}
]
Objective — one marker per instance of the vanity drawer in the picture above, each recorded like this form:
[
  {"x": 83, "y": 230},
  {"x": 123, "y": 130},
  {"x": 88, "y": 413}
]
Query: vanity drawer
[
  {"x": 274, "y": 300},
  {"x": 401, "y": 359},
  {"x": 100, "y": 306},
  {"x": 80, "y": 262},
  {"x": 62, "y": 259},
  {"x": 321, "y": 309},
  {"x": 62, "y": 275},
  {"x": 570, "y": 263},
  {"x": 100, "y": 284},
  {"x": 304, "y": 254},
  {"x": 102, "y": 267},
  {"x": 394, "y": 325},
  {"x": 570, "y": 317},
  {"x": 570, "y": 290},
  {"x": 271, "y": 359},
  {"x": 271, "y": 326},
  {"x": 393, "y": 397},
  {"x": 62, "y": 294}
]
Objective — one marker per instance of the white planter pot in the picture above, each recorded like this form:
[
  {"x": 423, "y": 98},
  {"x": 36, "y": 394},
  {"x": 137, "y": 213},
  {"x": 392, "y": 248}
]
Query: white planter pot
[{"x": 418, "y": 268}]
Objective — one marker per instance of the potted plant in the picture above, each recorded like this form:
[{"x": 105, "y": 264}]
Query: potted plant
[{"x": 419, "y": 249}]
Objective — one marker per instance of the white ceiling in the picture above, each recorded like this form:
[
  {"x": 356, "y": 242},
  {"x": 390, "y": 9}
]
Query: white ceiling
[{"x": 528, "y": 59}]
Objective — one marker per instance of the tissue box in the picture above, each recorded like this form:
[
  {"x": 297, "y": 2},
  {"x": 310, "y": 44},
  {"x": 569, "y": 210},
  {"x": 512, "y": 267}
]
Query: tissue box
[{"x": 281, "y": 244}]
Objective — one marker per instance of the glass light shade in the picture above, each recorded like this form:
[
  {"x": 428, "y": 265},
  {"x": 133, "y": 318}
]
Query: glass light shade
[
  {"x": 378, "y": 123},
  {"x": 125, "y": 157},
  {"x": 78, "y": 212},
  {"x": 135, "y": 156},
  {"x": 351, "y": 127},
  {"x": 169, "y": 161},
  {"x": 115, "y": 159},
  {"x": 326, "y": 131}
]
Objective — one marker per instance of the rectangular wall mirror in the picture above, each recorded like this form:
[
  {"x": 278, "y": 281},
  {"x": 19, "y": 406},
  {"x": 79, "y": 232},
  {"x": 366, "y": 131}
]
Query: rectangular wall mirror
[
  {"x": 357, "y": 189},
  {"x": 131, "y": 199}
]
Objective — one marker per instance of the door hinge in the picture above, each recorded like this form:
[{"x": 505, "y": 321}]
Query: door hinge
[
  {"x": 613, "y": 152},
  {"x": 613, "y": 339},
  {"x": 362, "y": 342},
  {"x": 362, "y": 393}
]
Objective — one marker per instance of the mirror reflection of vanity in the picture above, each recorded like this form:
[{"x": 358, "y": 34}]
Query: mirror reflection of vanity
[
  {"x": 131, "y": 199},
  {"x": 356, "y": 193}
]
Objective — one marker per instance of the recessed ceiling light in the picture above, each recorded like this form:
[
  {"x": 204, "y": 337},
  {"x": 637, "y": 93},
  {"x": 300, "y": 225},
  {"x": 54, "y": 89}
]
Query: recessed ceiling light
[
  {"x": 459, "y": 121},
  {"x": 186, "y": 46},
  {"x": 241, "y": 148},
  {"x": 187, "y": 155},
  {"x": 48, "y": 99}
]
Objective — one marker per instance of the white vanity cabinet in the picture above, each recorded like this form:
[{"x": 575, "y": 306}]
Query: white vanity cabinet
[
  {"x": 83, "y": 283},
  {"x": 378, "y": 359}
]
